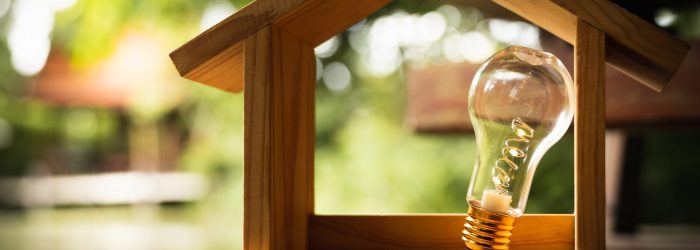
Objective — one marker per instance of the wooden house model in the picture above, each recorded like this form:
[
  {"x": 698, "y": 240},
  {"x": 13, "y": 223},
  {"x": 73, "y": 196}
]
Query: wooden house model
[{"x": 266, "y": 51}]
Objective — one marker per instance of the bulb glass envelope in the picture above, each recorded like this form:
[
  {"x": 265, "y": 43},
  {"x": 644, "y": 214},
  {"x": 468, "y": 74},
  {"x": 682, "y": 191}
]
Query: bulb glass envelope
[{"x": 520, "y": 103}]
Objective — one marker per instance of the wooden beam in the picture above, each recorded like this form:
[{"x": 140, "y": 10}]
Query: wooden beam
[
  {"x": 223, "y": 71},
  {"x": 279, "y": 140},
  {"x": 228, "y": 33},
  {"x": 317, "y": 21},
  {"x": 546, "y": 14},
  {"x": 589, "y": 136},
  {"x": 634, "y": 46},
  {"x": 431, "y": 231},
  {"x": 214, "y": 56}
]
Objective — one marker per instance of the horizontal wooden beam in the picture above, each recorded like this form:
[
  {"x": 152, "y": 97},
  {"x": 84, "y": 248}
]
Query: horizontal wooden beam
[
  {"x": 634, "y": 46},
  {"x": 430, "y": 231},
  {"x": 215, "y": 57}
]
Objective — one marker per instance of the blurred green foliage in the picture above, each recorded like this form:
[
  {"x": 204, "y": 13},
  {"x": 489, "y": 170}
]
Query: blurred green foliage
[{"x": 210, "y": 120}]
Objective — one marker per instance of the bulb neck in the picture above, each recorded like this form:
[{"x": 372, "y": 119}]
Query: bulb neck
[{"x": 487, "y": 230}]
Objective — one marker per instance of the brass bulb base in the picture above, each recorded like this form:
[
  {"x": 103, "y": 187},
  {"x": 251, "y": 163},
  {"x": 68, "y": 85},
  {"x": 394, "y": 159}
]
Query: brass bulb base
[{"x": 486, "y": 229}]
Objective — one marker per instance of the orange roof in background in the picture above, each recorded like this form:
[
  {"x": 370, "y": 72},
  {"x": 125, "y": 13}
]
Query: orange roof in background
[
  {"x": 60, "y": 83},
  {"x": 137, "y": 69},
  {"x": 437, "y": 95}
]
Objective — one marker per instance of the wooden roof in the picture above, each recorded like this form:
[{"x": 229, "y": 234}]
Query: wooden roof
[{"x": 634, "y": 46}]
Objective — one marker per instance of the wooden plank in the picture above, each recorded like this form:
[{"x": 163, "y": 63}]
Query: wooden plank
[
  {"x": 223, "y": 71},
  {"x": 634, "y": 46},
  {"x": 279, "y": 140},
  {"x": 637, "y": 48},
  {"x": 317, "y": 21},
  {"x": 256, "y": 162},
  {"x": 213, "y": 56},
  {"x": 439, "y": 231},
  {"x": 546, "y": 14},
  {"x": 589, "y": 134},
  {"x": 228, "y": 33}
]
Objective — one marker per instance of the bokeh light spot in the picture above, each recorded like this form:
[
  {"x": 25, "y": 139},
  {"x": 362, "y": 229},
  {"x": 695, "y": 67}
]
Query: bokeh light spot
[{"x": 336, "y": 76}]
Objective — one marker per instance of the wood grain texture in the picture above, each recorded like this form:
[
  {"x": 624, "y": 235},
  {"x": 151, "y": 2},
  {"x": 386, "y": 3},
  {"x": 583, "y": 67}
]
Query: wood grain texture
[
  {"x": 211, "y": 57},
  {"x": 634, "y": 46},
  {"x": 223, "y": 71},
  {"x": 589, "y": 136},
  {"x": 228, "y": 33},
  {"x": 546, "y": 14},
  {"x": 279, "y": 140},
  {"x": 317, "y": 21},
  {"x": 438, "y": 231}
]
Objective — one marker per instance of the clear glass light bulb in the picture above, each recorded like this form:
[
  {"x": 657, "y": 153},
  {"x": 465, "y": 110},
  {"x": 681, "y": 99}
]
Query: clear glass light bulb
[{"x": 520, "y": 104}]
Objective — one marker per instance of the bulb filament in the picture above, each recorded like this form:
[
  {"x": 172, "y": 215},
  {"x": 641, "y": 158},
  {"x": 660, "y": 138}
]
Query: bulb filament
[{"x": 515, "y": 148}]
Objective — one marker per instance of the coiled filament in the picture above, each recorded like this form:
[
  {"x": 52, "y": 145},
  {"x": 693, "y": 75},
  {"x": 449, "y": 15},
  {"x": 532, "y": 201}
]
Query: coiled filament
[{"x": 514, "y": 149}]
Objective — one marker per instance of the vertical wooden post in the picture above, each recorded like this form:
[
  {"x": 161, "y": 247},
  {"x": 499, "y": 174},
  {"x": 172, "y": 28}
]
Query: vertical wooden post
[
  {"x": 279, "y": 140},
  {"x": 589, "y": 127}
]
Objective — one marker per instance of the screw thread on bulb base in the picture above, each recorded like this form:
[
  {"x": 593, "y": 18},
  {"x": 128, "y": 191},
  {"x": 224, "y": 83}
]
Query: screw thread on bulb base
[{"x": 487, "y": 230}]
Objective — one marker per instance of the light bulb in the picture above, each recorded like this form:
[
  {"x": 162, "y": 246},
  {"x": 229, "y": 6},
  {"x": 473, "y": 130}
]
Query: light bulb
[{"x": 520, "y": 104}]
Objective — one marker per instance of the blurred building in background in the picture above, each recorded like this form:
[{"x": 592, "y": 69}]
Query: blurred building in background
[{"x": 101, "y": 140}]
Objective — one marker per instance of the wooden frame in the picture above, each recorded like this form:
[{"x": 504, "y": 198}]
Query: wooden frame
[
  {"x": 268, "y": 45},
  {"x": 589, "y": 136},
  {"x": 279, "y": 136},
  {"x": 430, "y": 231}
]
